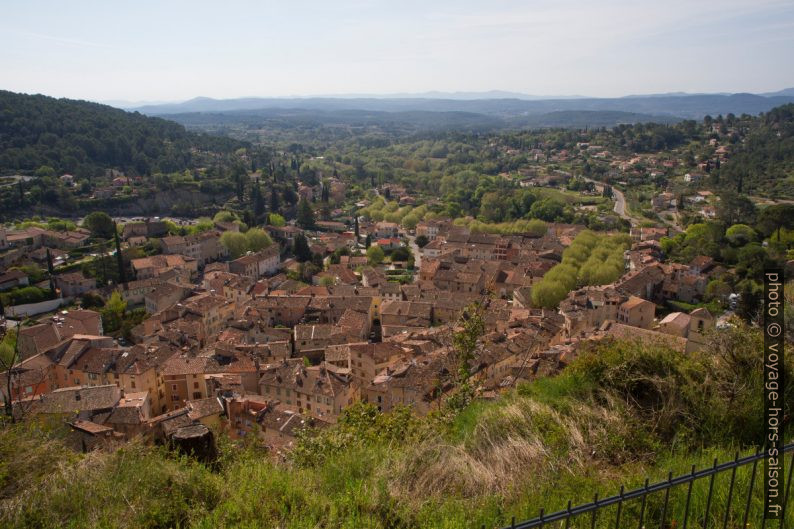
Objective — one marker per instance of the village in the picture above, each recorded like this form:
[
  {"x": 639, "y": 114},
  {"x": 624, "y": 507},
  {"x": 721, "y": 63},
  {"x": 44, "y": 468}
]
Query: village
[{"x": 245, "y": 347}]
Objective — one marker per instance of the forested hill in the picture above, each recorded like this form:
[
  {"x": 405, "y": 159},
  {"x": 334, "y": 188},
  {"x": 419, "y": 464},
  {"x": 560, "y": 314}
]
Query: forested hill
[
  {"x": 83, "y": 138},
  {"x": 763, "y": 163}
]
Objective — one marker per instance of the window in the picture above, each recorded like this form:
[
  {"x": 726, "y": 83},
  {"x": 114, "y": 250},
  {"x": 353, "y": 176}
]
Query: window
[
  {"x": 173, "y": 387},
  {"x": 196, "y": 395},
  {"x": 175, "y": 398},
  {"x": 195, "y": 385},
  {"x": 132, "y": 384}
]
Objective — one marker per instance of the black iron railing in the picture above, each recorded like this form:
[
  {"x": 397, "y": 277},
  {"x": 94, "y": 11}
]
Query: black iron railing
[{"x": 611, "y": 512}]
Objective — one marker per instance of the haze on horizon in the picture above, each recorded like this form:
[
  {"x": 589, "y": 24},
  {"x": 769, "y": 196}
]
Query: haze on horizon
[{"x": 173, "y": 51}]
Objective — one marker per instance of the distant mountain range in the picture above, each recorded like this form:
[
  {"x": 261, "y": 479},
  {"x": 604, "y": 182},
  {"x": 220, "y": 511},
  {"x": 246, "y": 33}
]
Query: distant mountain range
[{"x": 494, "y": 109}]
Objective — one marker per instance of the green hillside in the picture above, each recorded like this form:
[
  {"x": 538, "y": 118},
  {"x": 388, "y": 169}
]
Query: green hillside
[
  {"x": 82, "y": 138},
  {"x": 619, "y": 413},
  {"x": 764, "y": 161}
]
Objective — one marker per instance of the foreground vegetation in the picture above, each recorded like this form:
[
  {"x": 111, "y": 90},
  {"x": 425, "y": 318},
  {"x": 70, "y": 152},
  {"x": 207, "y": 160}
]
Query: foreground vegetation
[{"x": 619, "y": 413}]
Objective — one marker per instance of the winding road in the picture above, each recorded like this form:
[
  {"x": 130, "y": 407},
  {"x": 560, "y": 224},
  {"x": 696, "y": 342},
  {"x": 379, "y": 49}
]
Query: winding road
[
  {"x": 620, "y": 203},
  {"x": 620, "y": 200}
]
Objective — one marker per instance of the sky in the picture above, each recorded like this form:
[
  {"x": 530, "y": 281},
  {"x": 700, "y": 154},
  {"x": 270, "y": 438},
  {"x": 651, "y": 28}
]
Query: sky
[{"x": 175, "y": 50}]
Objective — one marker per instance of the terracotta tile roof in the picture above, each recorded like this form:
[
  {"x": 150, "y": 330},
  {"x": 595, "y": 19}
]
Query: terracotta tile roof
[
  {"x": 90, "y": 427},
  {"x": 78, "y": 398},
  {"x": 204, "y": 408}
]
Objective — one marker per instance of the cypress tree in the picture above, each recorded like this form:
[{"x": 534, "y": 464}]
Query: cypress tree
[
  {"x": 305, "y": 215},
  {"x": 51, "y": 271},
  {"x": 119, "y": 258}
]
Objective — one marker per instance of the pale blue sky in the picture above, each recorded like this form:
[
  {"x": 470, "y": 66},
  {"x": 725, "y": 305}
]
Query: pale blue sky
[{"x": 175, "y": 50}]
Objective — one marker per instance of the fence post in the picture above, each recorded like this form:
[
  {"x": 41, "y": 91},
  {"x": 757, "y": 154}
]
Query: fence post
[
  {"x": 750, "y": 493},
  {"x": 730, "y": 491},
  {"x": 711, "y": 490},
  {"x": 642, "y": 509},
  {"x": 666, "y": 498},
  {"x": 689, "y": 497},
  {"x": 620, "y": 508}
]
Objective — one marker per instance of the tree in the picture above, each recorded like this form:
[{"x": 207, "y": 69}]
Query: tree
[
  {"x": 422, "y": 241},
  {"x": 305, "y": 215},
  {"x": 274, "y": 201},
  {"x": 235, "y": 242},
  {"x": 100, "y": 225},
  {"x": 50, "y": 271},
  {"x": 548, "y": 294},
  {"x": 740, "y": 234},
  {"x": 719, "y": 290},
  {"x": 375, "y": 255},
  {"x": 546, "y": 209},
  {"x": 368, "y": 241},
  {"x": 752, "y": 260},
  {"x": 472, "y": 326},
  {"x": 403, "y": 253},
  {"x": 258, "y": 239},
  {"x": 225, "y": 216},
  {"x": 734, "y": 208},
  {"x": 301, "y": 248},
  {"x": 750, "y": 297},
  {"x": 276, "y": 220},
  {"x": 308, "y": 270},
  {"x": 113, "y": 312},
  {"x": 258, "y": 201},
  {"x": 119, "y": 256},
  {"x": 773, "y": 218}
]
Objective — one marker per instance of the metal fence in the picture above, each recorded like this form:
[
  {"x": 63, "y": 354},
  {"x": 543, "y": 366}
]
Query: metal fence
[{"x": 659, "y": 505}]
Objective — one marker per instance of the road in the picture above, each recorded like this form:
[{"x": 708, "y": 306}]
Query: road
[
  {"x": 620, "y": 203},
  {"x": 620, "y": 200},
  {"x": 417, "y": 255}
]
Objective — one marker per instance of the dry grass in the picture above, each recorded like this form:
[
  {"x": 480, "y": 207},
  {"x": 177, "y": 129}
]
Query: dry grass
[{"x": 509, "y": 442}]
